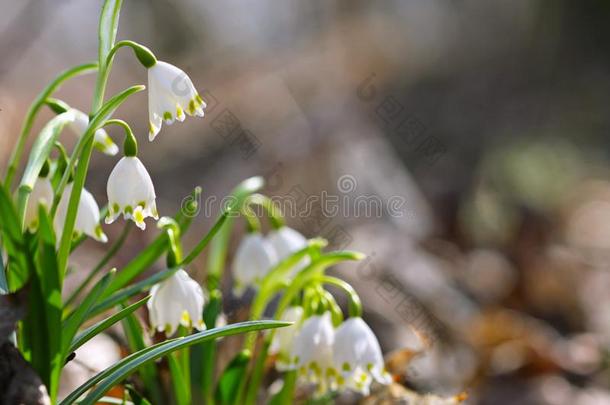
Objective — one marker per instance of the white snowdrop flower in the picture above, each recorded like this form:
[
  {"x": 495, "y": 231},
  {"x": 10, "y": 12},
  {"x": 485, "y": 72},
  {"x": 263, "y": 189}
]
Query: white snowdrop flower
[
  {"x": 42, "y": 193},
  {"x": 131, "y": 192},
  {"x": 170, "y": 94},
  {"x": 253, "y": 260},
  {"x": 283, "y": 338},
  {"x": 87, "y": 216},
  {"x": 177, "y": 300},
  {"x": 357, "y": 355},
  {"x": 101, "y": 140},
  {"x": 286, "y": 241},
  {"x": 313, "y": 352}
]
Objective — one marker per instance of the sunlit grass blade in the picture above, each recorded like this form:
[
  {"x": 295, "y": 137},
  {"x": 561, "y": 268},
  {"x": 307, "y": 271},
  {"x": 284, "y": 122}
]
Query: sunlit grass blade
[
  {"x": 116, "y": 373},
  {"x": 101, "y": 326},
  {"x": 38, "y": 155},
  {"x": 33, "y": 110}
]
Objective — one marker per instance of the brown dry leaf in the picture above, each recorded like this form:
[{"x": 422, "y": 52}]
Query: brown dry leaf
[{"x": 397, "y": 394}]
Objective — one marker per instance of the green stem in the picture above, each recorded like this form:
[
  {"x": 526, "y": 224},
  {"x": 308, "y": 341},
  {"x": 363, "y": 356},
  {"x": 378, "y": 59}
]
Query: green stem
[
  {"x": 130, "y": 146},
  {"x": 144, "y": 55},
  {"x": 273, "y": 211},
  {"x": 35, "y": 107},
  {"x": 355, "y": 305}
]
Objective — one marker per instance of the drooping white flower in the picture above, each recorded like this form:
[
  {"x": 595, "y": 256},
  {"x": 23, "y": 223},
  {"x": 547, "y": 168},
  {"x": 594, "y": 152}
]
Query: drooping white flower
[
  {"x": 101, "y": 140},
  {"x": 42, "y": 193},
  {"x": 286, "y": 241},
  {"x": 253, "y": 259},
  {"x": 170, "y": 94},
  {"x": 131, "y": 192},
  {"x": 87, "y": 216},
  {"x": 357, "y": 355},
  {"x": 313, "y": 351},
  {"x": 177, "y": 300},
  {"x": 283, "y": 338}
]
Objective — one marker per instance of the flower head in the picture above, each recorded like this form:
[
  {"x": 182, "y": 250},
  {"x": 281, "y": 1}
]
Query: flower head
[
  {"x": 101, "y": 140},
  {"x": 283, "y": 338},
  {"x": 178, "y": 300},
  {"x": 170, "y": 94},
  {"x": 286, "y": 241},
  {"x": 357, "y": 355},
  {"x": 313, "y": 351},
  {"x": 87, "y": 216},
  {"x": 253, "y": 260},
  {"x": 131, "y": 192},
  {"x": 42, "y": 193}
]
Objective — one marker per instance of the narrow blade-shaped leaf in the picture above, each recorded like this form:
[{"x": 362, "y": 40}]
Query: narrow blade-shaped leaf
[{"x": 116, "y": 373}]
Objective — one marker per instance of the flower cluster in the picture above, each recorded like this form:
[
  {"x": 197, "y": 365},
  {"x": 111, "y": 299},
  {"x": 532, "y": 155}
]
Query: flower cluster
[
  {"x": 346, "y": 357},
  {"x": 258, "y": 254}
]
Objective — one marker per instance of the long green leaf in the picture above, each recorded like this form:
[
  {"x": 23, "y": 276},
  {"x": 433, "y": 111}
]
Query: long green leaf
[
  {"x": 116, "y": 373},
  {"x": 148, "y": 372},
  {"x": 81, "y": 170},
  {"x": 38, "y": 155},
  {"x": 33, "y": 110},
  {"x": 130, "y": 291},
  {"x": 109, "y": 25},
  {"x": 218, "y": 252},
  {"x": 17, "y": 268},
  {"x": 102, "y": 325},
  {"x": 3, "y": 280},
  {"x": 75, "y": 319},
  {"x": 229, "y": 381},
  {"x": 44, "y": 315}
]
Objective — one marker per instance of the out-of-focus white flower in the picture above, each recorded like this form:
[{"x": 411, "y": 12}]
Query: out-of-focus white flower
[
  {"x": 131, "y": 192},
  {"x": 286, "y": 241},
  {"x": 101, "y": 140},
  {"x": 178, "y": 300},
  {"x": 253, "y": 259},
  {"x": 356, "y": 353},
  {"x": 283, "y": 338},
  {"x": 87, "y": 216},
  {"x": 170, "y": 94},
  {"x": 42, "y": 193},
  {"x": 313, "y": 352}
]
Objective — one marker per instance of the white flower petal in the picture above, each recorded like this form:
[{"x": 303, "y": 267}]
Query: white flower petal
[
  {"x": 171, "y": 94},
  {"x": 358, "y": 356},
  {"x": 286, "y": 241},
  {"x": 102, "y": 140},
  {"x": 313, "y": 351},
  {"x": 253, "y": 259},
  {"x": 176, "y": 301},
  {"x": 42, "y": 193},
  {"x": 87, "y": 216},
  {"x": 283, "y": 338},
  {"x": 131, "y": 192}
]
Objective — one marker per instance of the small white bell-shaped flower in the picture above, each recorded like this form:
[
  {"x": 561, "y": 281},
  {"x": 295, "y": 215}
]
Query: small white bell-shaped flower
[
  {"x": 178, "y": 300},
  {"x": 313, "y": 352},
  {"x": 170, "y": 94},
  {"x": 131, "y": 192},
  {"x": 253, "y": 260},
  {"x": 87, "y": 216},
  {"x": 42, "y": 193},
  {"x": 101, "y": 140},
  {"x": 357, "y": 355},
  {"x": 286, "y": 241},
  {"x": 283, "y": 338}
]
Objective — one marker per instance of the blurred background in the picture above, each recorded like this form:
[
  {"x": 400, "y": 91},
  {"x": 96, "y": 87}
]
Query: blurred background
[{"x": 480, "y": 129}]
